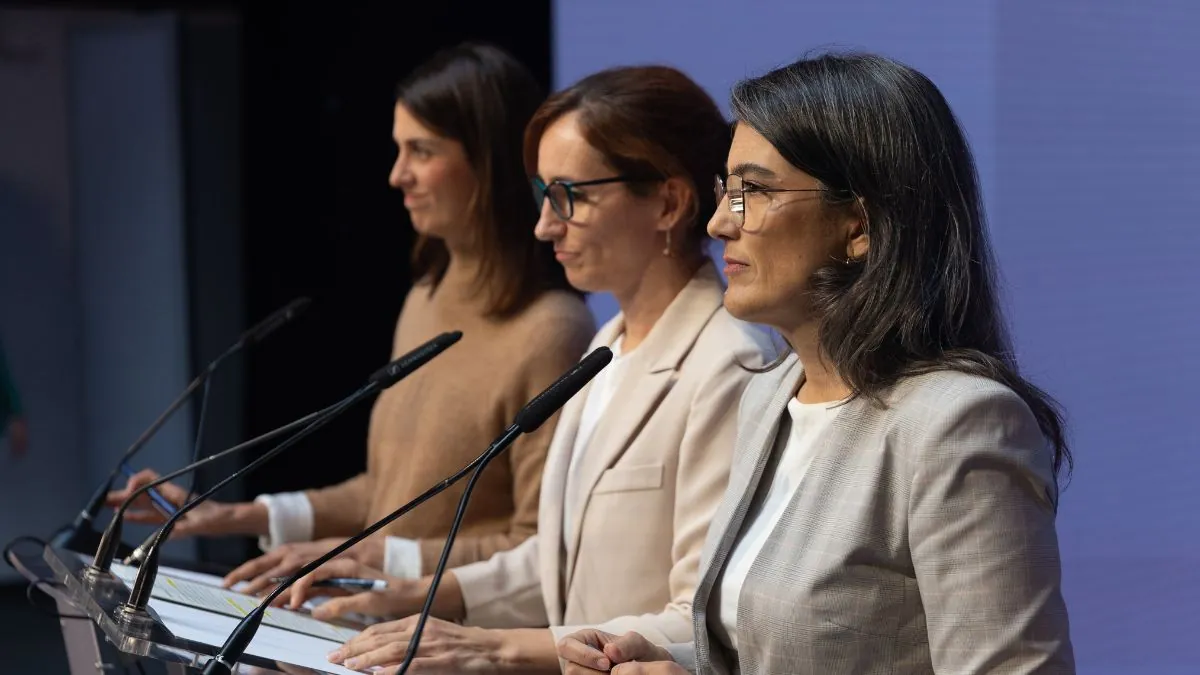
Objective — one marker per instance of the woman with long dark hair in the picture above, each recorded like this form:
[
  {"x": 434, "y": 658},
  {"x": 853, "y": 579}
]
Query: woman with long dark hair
[
  {"x": 892, "y": 500},
  {"x": 458, "y": 126}
]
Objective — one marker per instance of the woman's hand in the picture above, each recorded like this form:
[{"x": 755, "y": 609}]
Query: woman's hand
[
  {"x": 280, "y": 561},
  {"x": 448, "y": 648},
  {"x": 594, "y": 651},
  {"x": 303, "y": 589},
  {"x": 208, "y": 518},
  {"x": 403, "y": 597}
]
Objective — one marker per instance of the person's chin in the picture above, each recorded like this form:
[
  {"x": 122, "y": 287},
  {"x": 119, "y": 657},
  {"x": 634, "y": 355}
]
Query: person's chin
[
  {"x": 425, "y": 226},
  {"x": 580, "y": 280},
  {"x": 740, "y": 304}
]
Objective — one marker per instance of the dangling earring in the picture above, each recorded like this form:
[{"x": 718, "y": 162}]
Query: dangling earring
[{"x": 667, "y": 250}]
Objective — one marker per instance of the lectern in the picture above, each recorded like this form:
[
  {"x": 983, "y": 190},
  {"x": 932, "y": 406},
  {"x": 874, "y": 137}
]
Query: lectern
[{"x": 180, "y": 636}]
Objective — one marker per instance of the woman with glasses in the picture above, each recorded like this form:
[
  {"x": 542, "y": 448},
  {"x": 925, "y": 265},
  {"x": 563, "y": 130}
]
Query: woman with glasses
[
  {"x": 622, "y": 164},
  {"x": 892, "y": 501},
  {"x": 458, "y": 125}
]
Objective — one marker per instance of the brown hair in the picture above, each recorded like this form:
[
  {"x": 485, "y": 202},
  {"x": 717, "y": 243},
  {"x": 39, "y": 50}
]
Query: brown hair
[
  {"x": 482, "y": 97},
  {"x": 646, "y": 121}
]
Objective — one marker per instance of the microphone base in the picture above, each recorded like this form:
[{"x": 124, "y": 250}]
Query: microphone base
[
  {"x": 135, "y": 620},
  {"x": 92, "y": 577},
  {"x": 215, "y": 666}
]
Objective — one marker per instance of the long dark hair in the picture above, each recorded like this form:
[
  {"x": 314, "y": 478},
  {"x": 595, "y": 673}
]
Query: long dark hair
[
  {"x": 482, "y": 97},
  {"x": 646, "y": 121},
  {"x": 924, "y": 297}
]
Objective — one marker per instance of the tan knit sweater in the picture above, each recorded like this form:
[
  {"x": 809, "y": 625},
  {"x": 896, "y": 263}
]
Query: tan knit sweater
[{"x": 440, "y": 418}]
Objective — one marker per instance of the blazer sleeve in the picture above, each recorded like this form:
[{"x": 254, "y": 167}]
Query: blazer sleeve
[
  {"x": 705, "y": 454},
  {"x": 983, "y": 541},
  {"x": 504, "y": 591},
  {"x": 550, "y": 354}
]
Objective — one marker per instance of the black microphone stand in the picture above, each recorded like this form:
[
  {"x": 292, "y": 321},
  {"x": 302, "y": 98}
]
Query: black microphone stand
[
  {"x": 530, "y": 418},
  {"x": 134, "y": 610},
  {"x": 79, "y": 534}
]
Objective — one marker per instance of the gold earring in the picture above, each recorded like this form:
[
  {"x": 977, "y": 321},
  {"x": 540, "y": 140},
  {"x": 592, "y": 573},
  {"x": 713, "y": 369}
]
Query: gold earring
[{"x": 667, "y": 249}]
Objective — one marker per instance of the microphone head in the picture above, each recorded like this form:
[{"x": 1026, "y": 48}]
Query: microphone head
[
  {"x": 536, "y": 412},
  {"x": 404, "y": 366},
  {"x": 280, "y": 317}
]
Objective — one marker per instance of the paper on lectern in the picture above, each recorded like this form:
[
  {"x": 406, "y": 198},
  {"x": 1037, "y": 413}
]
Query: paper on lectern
[{"x": 231, "y": 603}]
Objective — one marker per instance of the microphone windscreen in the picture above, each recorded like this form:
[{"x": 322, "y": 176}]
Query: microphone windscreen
[
  {"x": 536, "y": 412},
  {"x": 280, "y": 317},
  {"x": 404, "y": 366}
]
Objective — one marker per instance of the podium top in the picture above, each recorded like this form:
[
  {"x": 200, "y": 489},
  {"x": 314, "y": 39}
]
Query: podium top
[{"x": 176, "y": 632}]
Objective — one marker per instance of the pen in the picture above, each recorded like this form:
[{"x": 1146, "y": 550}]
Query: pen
[{"x": 345, "y": 583}]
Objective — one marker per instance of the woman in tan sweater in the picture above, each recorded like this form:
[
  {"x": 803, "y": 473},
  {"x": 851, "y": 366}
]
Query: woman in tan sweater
[{"x": 479, "y": 269}]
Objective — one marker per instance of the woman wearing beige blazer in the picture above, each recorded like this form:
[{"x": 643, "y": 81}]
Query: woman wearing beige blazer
[
  {"x": 892, "y": 501},
  {"x": 622, "y": 164}
]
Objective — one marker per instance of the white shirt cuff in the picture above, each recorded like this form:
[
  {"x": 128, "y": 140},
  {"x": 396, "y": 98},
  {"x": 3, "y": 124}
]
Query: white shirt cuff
[
  {"x": 289, "y": 519},
  {"x": 402, "y": 558}
]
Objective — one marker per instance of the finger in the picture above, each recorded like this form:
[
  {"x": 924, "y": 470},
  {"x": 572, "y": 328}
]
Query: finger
[
  {"x": 252, "y": 568},
  {"x": 573, "y": 649},
  {"x": 364, "y": 644},
  {"x": 193, "y": 525},
  {"x": 630, "y": 647},
  {"x": 386, "y": 654},
  {"x": 576, "y": 669},
  {"x": 266, "y": 580},
  {"x": 303, "y": 588},
  {"x": 369, "y": 603},
  {"x": 145, "y": 516}
]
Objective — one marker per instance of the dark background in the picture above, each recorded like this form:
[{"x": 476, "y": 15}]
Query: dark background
[
  {"x": 286, "y": 114},
  {"x": 318, "y": 216}
]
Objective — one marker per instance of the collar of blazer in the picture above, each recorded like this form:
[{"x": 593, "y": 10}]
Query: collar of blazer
[
  {"x": 649, "y": 372},
  {"x": 676, "y": 331}
]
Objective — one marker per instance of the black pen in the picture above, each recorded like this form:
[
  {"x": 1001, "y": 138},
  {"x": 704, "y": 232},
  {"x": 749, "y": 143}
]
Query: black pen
[{"x": 345, "y": 583}]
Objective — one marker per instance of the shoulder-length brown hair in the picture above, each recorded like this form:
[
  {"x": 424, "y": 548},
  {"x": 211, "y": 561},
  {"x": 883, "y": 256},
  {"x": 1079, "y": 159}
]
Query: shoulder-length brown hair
[
  {"x": 482, "y": 97},
  {"x": 646, "y": 121}
]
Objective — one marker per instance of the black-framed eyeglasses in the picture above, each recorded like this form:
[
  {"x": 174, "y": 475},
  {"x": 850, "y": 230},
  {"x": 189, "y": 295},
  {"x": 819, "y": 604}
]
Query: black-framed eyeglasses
[
  {"x": 561, "y": 193},
  {"x": 736, "y": 189}
]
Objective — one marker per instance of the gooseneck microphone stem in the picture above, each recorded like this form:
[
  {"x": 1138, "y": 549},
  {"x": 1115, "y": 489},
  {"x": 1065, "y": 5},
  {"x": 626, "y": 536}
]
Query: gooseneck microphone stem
[
  {"x": 382, "y": 379},
  {"x": 106, "y": 551},
  {"x": 415, "y": 642},
  {"x": 148, "y": 572},
  {"x": 257, "y": 333},
  {"x": 532, "y": 416},
  {"x": 88, "y": 514},
  {"x": 226, "y": 660}
]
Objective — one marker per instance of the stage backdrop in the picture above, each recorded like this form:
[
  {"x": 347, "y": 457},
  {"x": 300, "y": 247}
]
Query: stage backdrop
[{"x": 1082, "y": 114}]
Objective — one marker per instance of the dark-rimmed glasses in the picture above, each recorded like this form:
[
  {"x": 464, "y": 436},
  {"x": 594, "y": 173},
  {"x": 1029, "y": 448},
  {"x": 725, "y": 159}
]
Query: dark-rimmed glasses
[
  {"x": 736, "y": 189},
  {"x": 561, "y": 193}
]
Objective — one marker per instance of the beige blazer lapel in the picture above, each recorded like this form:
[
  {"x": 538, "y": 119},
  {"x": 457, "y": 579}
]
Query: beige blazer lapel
[
  {"x": 650, "y": 371},
  {"x": 554, "y": 485}
]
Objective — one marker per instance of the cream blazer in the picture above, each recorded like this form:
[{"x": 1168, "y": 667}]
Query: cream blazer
[{"x": 653, "y": 475}]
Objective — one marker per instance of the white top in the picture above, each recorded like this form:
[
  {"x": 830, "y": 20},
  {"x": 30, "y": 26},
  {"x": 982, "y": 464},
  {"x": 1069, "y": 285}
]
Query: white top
[
  {"x": 809, "y": 420},
  {"x": 603, "y": 386}
]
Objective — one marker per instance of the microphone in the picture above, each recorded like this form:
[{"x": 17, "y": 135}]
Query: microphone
[
  {"x": 74, "y": 536},
  {"x": 385, "y": 377},
  {"x": 529, "y": 419},
  {"x": 390, "y": 373}
]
